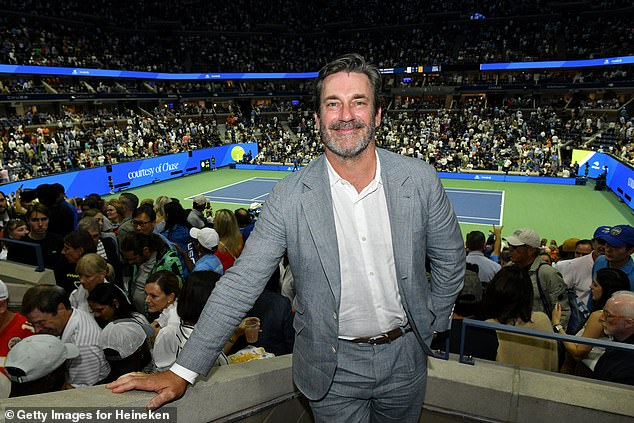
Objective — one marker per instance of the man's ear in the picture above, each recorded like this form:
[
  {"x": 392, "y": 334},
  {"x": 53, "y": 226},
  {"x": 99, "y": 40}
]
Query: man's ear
[
  {"x": 4, "y": 306},
  {"x": 377, "y": 117}
]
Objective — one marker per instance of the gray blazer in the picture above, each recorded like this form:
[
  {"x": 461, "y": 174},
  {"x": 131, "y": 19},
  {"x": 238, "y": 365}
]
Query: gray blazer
[{"x": 297, "y": 218}]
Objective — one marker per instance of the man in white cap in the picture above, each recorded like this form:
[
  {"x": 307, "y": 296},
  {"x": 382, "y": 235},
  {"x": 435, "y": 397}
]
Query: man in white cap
[
  {"x": 36, "y": 365},
  {"x": 13, "y": 326},
  {"x": 206, "y": 243},
  {"x": 196, "y": 218},
  {"x": 549, "y": 287}
]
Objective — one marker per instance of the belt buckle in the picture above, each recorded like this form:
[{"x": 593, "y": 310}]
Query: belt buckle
[{"x": 378, "y": 339}]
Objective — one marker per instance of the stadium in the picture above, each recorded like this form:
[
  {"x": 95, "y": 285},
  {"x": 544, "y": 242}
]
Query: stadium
[{"x": 112, "y": 110}]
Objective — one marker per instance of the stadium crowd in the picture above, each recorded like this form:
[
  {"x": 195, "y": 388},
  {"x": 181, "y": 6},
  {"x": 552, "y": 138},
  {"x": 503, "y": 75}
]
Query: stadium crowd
[{"x": 133, "y": 275}]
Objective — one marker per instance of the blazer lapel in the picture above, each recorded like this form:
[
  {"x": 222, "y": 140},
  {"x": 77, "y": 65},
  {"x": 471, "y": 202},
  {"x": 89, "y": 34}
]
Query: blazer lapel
[{"x": 317, "y": 207}]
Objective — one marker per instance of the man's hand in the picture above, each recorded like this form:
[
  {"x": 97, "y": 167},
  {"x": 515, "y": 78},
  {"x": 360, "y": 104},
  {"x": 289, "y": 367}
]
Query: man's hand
[{"x": 167, "y": 385}]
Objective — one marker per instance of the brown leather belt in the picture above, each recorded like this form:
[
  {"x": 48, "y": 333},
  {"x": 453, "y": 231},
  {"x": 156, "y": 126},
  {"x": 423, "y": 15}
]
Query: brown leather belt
[{"x": 383, "y": 338}]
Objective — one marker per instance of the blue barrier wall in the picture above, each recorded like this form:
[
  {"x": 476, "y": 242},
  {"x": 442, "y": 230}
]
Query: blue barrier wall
[{"x": 137, "y": 173}]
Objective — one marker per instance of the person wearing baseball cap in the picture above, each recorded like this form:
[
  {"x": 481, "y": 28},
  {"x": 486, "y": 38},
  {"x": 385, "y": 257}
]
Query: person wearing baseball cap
[
  {"x": 14, "y": 326},
  {"x": 206, "y": 243},
  {"x": 577, "y": 272},
  {"x": 524, "y": 245},
  {"x": 196, "y": 218},
  {"x": 619, "y": 247},
  {"x": 35, "y": 365}
]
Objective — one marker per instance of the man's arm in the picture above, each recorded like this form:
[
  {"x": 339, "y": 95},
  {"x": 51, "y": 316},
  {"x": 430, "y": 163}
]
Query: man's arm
[
  {"x": 445, "y": 249},
  {"x": 232, "y": 297}
]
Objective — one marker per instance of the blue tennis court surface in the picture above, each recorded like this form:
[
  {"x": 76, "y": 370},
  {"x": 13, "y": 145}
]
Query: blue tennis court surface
[{"x": 480, "y": 207}]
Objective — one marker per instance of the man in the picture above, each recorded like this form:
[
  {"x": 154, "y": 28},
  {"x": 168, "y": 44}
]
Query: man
[
  {"x": 524, "y": 246},
  {"x": 577, "y": 273},
  {"x": 206, "y": 243},
  {"x": 362, "y": 299},
  {"x": 196, "y": 217},
  {"x": 618, "y": 321},
  {"x": 13, "y": 326},
  {"x": 583, "y": 247},
  {"x": 129, "y": 202},
  {"x": 48, "y": 309},
  {"x": 487, "y": 268},
  {"x": 147, "y": 254},
  {"x": 62, "y": 216},
  {"x": 618, "y": 250},
  {"x": 245, "y": 222},
  {"x": 51, "y": 244}
]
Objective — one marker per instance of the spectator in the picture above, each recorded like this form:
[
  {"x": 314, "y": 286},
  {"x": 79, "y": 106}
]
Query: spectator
[
  {"x": 125, "y": 343},
  {"x": 159, "y": 208},
  {"x": 62, "y": 216},
  {"x": 206, "y": 244},
  {"x": 107, "y": 246},
  {"x": 38, "y": 364},
  {"x": 51, "y": 244},
  {"x": 606, "y": 283},
  {"x": 577, "y": 273},
  {"x": 15, "y": 229},
  {"x": 144, "y": 221},
  {"x": 129, "y": 202},
  {"x": 509, "y": 300},
  {"x": 13, "y": 326},
  {"x": 92, "y": 270},
  {"x": 76, "y": 245},
  {"x": 115, "y": 213},
  {"x": 230, "y": 244},
  {"x": 617, "y": 319},
  {"x": 618, "y": 250},
  {"x": 109, "y": 303},
  {"x": 196, "y": 218},
  {"x": 48, "y": 309},
  {"x": 479, "y": 343},
  {"x": 147, "y": 254},
  {"x": 548, "y": 285},
  {"x": 245, "y": 222},
  {"x": 5, "y": 213},
  {"x": 487, "y": 268},
  {"x": 177, "y": 232}
]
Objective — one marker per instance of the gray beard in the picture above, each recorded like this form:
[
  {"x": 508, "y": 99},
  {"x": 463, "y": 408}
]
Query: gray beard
[{"x": 347, "y": 153}]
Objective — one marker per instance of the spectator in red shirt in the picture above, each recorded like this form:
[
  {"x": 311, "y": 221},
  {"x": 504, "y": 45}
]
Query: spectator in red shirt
[{"x": 13, "y": 326}]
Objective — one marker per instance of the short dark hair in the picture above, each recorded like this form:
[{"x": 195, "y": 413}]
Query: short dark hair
[
  {"x": 475, "y": 240},
  {"x": 584, "y": 242},
  {"x": 611, "y": 281},
  {"x": 45, "y": 298},
  {"x": 106, "y": 294},
  {"x": 193, "y": 297},
  {"x": 167, "y": 281},
  {"x": 136, "y": 242},
  {"x": 242, "y": 216},
  {"x": 145, "y": 209},
  {"x": 509, "y": 295},
  {"x": 81, "y": 239},
  {"x": 350, "y": 63},
  {"x": 37, "y": 208},
  {"x": 129, "y": 200}
]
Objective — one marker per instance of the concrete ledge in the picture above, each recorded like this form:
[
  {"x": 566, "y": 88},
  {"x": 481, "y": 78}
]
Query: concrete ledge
[{"x": 263, "y": 391}]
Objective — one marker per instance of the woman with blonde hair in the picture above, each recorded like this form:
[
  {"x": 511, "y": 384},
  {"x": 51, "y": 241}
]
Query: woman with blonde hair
[
  {"x": 159, "y": 208},
  {"x": 93, "y": 270},
  {"x": 231, "y": 244}
]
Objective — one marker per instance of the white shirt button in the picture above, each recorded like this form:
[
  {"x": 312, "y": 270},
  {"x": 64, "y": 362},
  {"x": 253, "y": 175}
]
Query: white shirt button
[{"x": 334, "y": 350}]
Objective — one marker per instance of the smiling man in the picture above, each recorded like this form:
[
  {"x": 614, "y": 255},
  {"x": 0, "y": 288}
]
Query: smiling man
[{"x": 358, "y": 225}]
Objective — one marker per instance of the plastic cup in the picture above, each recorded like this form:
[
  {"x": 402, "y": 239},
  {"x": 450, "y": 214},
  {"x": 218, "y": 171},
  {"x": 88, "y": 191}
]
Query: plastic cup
[{"x": 251, "y": 329}]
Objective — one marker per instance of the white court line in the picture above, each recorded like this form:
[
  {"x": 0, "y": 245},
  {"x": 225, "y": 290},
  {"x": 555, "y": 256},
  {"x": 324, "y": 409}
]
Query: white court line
[
  {"x": 476, "y": 218},
  {"x": 473, "y": 189},
  {"x": 229, "y": 199},
  {"x": 479, "y": 193},
  {"x": 226, "y": 186},
  {"x": 259, "y": 196},
  {"x": 502, "y": 209}
]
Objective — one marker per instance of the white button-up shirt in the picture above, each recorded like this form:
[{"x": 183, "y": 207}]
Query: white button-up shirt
[{"x": 370, "y": 299}]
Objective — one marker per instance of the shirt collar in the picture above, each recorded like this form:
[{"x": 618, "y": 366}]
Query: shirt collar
[{"x": 335, "y": 178}]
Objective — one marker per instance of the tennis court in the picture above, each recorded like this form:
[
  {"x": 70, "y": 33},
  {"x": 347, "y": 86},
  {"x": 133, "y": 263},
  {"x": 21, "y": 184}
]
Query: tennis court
[{"x": 475, "y": 206}]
